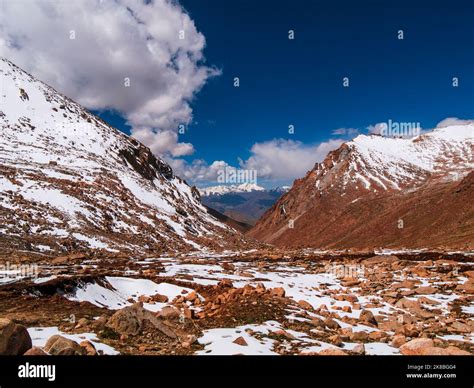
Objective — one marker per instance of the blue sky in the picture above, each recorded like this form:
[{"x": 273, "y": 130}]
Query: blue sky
[
  {"x": 282, "y": 82},
  {"x": 299, "y": 81}
]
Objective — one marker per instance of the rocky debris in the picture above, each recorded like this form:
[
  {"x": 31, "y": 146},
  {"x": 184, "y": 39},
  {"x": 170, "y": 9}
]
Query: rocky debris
[
  {"x": 14, "y": 338},
  {"x": 389, "y": 288},
  {"x": 60, "y": 346}
]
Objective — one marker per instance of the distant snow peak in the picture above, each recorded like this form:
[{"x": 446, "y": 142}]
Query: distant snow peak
[{"x": 226, "y": 189}]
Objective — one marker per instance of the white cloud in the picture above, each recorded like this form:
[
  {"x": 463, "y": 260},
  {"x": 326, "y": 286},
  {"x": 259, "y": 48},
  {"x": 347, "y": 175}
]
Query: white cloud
[
  {"x": 163, "y": 142},
  {"x": 114, "y": 40},
  {"x": 345, "y": 132},
  {"x": 274, "y": 160},
  {"x": 280, "y": 159},
  {"x": 198, "y": 170},
  {"x": 453, "y": 121},
  {"x": 376, "y": 129}
]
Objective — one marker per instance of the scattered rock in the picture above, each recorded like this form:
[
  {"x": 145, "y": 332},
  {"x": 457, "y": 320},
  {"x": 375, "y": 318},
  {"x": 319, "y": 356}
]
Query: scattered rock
[
  {"x": 130, "y": 320},
  {"x": 398, "y": 340},
  {"x": 367, "y": 317},
  {"x": 35, "y": 351},
  {"x": 449, "y": 351},
  {"x": 305, "y": 305},
  {"x": 278, "y": 292},
  {"x": 240, "y": 341},
  {"x": 169, "y": 312},
  {"x": 359, "y": 349},
  {"x": 416, "y": 347},
  {"x": 425, "y": 290},
  {"x": 332, "y": 352},
  {"x": 159, "y": 298},
  {"x": 14, "y": 338},
  {"x": 89, "y": 347},
  {"x": 60, "y": 346},
  {"x": 331, "y": 324}
]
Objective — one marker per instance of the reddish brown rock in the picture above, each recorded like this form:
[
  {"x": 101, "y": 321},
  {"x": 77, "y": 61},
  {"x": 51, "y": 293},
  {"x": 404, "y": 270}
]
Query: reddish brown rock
[
  {"x": 60, "y": 346},
  {"x": 240, "y": 341},
  {"x": 416, "y": 347},
  {"x": 35, "y": 351},
  {"x": 14, "y": 338}
]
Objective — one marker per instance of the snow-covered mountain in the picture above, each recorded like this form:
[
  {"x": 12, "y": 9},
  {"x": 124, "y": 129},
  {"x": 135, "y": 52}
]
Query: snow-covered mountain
[
  {"x": 70, "y": 181},
  {"x": 382, "y": 163},
  {"x": 226, "y": 189},
  {"x": 376, "y": 191}
]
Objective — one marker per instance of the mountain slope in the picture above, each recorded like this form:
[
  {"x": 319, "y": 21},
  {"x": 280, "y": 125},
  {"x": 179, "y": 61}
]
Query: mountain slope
[
  {"x": 382, "y": 192},
  {"x": 69, "y": 181}
]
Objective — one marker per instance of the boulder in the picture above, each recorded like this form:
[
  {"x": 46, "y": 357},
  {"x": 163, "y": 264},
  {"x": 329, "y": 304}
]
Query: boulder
[
  {"x": 359, "y": 336},
  {"x": 159, "y": 298},
  {"x": 35, "y": 351},
  {"x": 449, "y": 351},
  {"x": 332, "y": 352},
  {"x": 367, "y": 317},
  {"x": 89, "y": 348},
  {"x": 14, "y": 338},
  {"x": 359, "y": 349},
  {"x": 130, "y": 321},
  {"x": 191, "y": 297},
  {"x": 60, "y": 346},
  {"x": 305, "y": 305},
  {"x": 398, "y": 340},
  {"x": 279, "y": 292},
  {"x": 426, "y": 290},
  {"x": 169, "y": 312},
  {"x": 416, "y": 347},
  {"x": 331, "y": 324}
]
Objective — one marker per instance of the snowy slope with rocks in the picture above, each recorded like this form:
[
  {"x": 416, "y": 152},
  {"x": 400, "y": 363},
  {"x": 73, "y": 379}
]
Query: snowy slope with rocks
[
  {"x": 69, "y": 181},
  {"x": 384, "y": 163}
]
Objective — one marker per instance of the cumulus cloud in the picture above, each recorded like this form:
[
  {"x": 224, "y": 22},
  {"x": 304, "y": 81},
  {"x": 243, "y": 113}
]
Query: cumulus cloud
[
  {"x": 453, "y": 121},
  {"x": 198, "y": 171},
  {"x": 274, "y": 160},
  {"x": 163, "y": 142},
  {"x": 281, "y": 159},
  {"x": 90, "y": 50}
]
